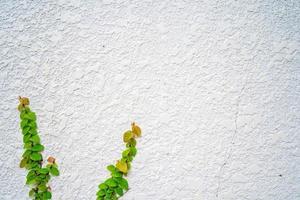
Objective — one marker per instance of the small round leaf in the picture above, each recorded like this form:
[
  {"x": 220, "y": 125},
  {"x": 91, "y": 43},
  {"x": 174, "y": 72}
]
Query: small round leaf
[{"x": 54, "y": 171}]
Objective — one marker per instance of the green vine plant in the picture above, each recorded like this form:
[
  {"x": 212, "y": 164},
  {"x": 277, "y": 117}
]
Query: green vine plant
[
  {"x": 32, "y": 159},
  {"x": 115, "y": 186}
]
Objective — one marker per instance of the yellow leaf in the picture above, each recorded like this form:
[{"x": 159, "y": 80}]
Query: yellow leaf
[
  {"x": 20, "y": 106},
  {"x": 24, "y": 101},
  {"x": 122, "y": 166},
  {"x": 136, "y": 130},
  {"x": 127, "y": 136},
  {"x": 23, "y": 163}
]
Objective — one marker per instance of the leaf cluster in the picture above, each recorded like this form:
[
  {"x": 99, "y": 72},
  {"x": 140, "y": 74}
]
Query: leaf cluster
[
  {"x": 115, "y": 186},
  {"x": 32, "y": 159}
]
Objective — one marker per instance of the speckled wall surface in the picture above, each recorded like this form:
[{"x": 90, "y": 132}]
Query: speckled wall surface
[{"x": 215, "y": 86}]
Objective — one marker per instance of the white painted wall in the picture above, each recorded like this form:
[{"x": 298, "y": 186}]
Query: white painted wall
[{"x": 215, "y": 86}]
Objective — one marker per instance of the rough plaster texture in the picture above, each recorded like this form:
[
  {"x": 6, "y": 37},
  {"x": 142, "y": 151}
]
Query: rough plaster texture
[{"x": 215, "y": 86}]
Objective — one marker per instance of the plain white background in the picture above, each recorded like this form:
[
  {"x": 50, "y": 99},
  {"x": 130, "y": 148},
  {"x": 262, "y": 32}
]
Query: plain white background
[{"x": 214, "y": 86}]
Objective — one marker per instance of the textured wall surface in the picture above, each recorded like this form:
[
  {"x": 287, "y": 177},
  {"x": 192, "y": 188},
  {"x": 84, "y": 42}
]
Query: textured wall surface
[{"x": 215, "y": 86}]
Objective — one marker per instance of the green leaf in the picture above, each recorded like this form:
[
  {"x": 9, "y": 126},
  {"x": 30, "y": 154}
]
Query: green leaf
[
  {"x": 31, "y": 180},
  {"x": 127, "y": 136},
  {"x": 31, "y": 193},
  {"x": 28, "y": 145},
  {"x": 36, "y": 156},
  {"x": 38, "y": 196},
  {"x": 42, "y": 187},
  {"x": 36, "y": 139},
  {"x": 32, "y": 165},
  {"x": 42, "y": 176},
  {"x": 103, "y": 186},
  {"x": 47, "y": 195},
  {"x": 26, "y": 153},
  {"x": 25, "y": 130},
  {"x": 129, "y": 158},
  {"x": 32, "y": 124},
  {"x": 108, "y": 197},
  {"x": 111, "y": 183},
  {"x": 25, "y": 116},
  {"x": 33, "y": 131},
  {"x": 116, "y": 174},
  {"x": 31, "y": 173},
  {"x": 125, "y": 153},
  {"x": 119, "y": 191},
  {"x": 54, "y": 171},
  {"x": 44, "y": 170},
  {"x": 48, "y": 166},
  {"x": 22, "y": 114},
  {"x": 114, "y": 197},
  {"x": 131, "y": 143},
  {"x": 111, "y": 168},
  {"x": 37, "y": 147},
  {"x": 101, "y": 193},
  {"x": 24, "y": 123},
  {"x": 123, "y": 183},
  {"x": 31, "y": 116},
  {"x": 48, "y": 177},
  {"x": 109, "y": 192},
  {"x": 133, "y": 151},
  {"x": 26, "y": 138}
]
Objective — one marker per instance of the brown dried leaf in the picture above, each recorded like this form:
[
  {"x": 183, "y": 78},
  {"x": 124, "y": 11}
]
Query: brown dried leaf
[{"x": 51, "y": 160}]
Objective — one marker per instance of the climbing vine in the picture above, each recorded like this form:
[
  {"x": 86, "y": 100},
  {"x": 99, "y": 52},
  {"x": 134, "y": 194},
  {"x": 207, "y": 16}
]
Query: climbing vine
[
  {"x": 115, "y": 186},
  {"x": 32, "y": 159},
  {"x": 39, "y": 176}
]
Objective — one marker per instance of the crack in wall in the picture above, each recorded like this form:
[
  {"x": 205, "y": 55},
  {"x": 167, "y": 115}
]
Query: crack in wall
[{"x": 230, "y": 149}]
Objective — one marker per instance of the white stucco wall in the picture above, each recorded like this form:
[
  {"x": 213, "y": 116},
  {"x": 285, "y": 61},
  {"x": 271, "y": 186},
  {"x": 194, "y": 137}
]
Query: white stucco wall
[{"x": 215, "y": 86}]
